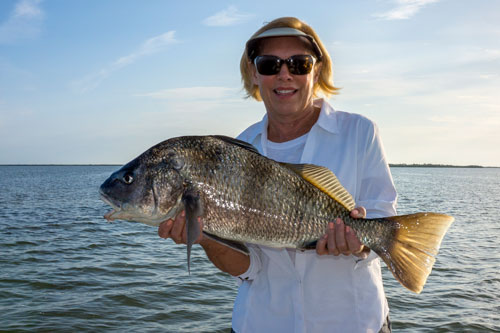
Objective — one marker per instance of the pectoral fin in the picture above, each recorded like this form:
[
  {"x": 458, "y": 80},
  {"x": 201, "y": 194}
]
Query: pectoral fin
[{"x": 194, "y": 209}]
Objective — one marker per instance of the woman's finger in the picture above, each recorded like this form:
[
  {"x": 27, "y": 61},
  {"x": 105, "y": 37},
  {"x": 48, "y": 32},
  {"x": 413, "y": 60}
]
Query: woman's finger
[
  {"x": 332, "y": 239},
  {"x": 353, "y": 242},
  {"x": 164, "y": 228},
  {"x": 321, "y": 248},
  {"x": 340, "y": 237},
  {"x": 176, "y": 233},
  {"x": 358, "y": 213}
]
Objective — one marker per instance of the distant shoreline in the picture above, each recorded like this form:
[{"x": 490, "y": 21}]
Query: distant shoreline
[
  {"x": 392, "y": 165},
  {"x": 45, "y": 164},
  {"x": 429, "y": 165}
]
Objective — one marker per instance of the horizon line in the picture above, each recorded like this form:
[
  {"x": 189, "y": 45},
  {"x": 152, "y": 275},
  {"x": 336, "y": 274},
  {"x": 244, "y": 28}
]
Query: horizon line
[{"x": 392, "y": 165}]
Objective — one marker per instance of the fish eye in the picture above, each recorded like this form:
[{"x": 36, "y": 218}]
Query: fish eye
[{"x": 128, "y": 178}]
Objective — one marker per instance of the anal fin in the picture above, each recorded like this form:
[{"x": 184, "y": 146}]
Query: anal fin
[
  {"x": 309, "y": 245},
  {"x": 240, "y": 247}
]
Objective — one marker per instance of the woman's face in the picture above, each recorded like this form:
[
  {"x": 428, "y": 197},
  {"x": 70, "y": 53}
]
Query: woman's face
[{"x": 285, "y": 95}]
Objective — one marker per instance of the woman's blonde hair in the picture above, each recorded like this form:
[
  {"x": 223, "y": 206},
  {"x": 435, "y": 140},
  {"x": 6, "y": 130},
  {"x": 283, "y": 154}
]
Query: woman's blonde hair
[{"x": 324, "y": 84}]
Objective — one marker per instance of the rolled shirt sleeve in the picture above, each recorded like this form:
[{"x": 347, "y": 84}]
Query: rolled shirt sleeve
[
  {"x": 376, "y": 191},
  {"x": 255, "y": 263}
]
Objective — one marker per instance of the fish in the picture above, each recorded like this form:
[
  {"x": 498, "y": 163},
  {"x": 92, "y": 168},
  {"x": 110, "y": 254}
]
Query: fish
[{"x": 243, "y": 197}]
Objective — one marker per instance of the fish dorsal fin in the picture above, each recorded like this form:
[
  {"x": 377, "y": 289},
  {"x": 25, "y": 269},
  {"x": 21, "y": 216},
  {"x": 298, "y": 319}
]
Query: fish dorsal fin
[
  {"x": 237, "y": 142},
  {"x": 325, "y": 180}
]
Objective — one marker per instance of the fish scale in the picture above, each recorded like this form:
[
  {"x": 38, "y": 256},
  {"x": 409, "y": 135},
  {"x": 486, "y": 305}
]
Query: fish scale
[
  {"x": 269, "y": 208},
  {"x": 244, "y": 197}
]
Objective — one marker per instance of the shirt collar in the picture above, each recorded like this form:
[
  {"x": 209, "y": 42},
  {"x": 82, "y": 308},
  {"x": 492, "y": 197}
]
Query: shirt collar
[
  {"x": 259, "y": 129},
  {"x": 327, "y": 120}
]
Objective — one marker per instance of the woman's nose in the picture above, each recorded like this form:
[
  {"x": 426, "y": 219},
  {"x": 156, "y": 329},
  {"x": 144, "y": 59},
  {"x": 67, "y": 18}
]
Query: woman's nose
[{"x": 284, "y": 73}]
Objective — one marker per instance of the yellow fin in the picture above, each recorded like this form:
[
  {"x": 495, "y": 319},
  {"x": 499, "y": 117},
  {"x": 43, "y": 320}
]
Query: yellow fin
[
  {"x": 325, "y": 180},
  {"x": 411, "y": 254}
]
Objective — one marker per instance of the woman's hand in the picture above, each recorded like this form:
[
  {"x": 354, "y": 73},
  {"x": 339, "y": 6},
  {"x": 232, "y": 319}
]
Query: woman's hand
[
  {"x": 341, "y": 239},
  {"x": 223, "y": 257},
  {"x": 176, "y": 229}
]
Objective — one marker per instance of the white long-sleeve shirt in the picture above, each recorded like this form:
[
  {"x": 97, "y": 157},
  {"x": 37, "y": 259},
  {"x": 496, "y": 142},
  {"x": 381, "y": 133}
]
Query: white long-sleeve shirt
[{"x": 306, "y": 292}]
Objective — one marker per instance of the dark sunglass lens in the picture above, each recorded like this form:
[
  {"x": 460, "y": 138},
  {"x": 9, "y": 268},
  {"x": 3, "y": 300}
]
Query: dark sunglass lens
[
  {"x": 300, "y": 64},
  {"x": 297, "y": 64},
  {"x": 267, "y": 65}
]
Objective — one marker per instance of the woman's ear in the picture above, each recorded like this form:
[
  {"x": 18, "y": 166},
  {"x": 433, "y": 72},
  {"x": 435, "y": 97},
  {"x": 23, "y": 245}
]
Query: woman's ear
[{"x": 253, "y": 73}]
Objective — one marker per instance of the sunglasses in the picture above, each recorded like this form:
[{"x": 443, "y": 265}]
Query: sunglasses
[{"x": 297, "y": 64}]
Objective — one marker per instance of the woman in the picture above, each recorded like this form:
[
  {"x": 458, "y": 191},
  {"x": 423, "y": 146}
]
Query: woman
[{"x": 282, "y": 290}]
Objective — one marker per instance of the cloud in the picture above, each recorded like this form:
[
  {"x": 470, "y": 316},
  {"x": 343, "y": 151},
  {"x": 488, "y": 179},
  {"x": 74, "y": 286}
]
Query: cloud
[
  {"x": 404, "y": 9},
  {"x": 478, "y": 55},
  {"x": 150, "y": 46},
  {"x": 227, "y": 17},
  {"x": 28, "y": 9},
  {"x": 24, "y": 22}
]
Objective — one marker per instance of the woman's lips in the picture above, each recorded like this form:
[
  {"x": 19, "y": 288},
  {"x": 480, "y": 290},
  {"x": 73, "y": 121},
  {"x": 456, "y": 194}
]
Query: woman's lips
[{"x": 284, "y": 91}]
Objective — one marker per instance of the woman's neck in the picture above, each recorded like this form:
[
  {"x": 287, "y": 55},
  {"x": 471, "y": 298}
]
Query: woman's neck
[{"x": 282, "y": 129}]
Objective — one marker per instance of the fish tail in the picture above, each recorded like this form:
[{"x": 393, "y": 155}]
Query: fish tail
[{"x": 416, "y": 240}]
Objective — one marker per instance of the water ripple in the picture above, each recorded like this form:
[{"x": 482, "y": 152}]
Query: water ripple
[{"x": 66, "y": 269}]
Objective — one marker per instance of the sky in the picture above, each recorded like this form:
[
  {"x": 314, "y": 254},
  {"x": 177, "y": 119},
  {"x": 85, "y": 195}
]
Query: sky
[{"x": 99, "y": 82}]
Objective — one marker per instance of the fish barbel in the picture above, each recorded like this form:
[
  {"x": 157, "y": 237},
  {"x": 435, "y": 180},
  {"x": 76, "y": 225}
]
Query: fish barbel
[{"x": 244, "y": 197}]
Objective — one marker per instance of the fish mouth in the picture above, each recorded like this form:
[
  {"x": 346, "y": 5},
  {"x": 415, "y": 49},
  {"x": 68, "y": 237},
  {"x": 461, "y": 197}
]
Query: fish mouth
[
  {"x": 119, "y": 212},
  {"x": 115, "y": 209}
]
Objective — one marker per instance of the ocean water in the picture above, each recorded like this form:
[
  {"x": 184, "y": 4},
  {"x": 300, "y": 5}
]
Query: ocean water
[{"x": 64, "y": 268}]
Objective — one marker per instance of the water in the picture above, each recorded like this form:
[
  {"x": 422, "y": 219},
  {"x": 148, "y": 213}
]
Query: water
[{"x": 63, "y": 268}]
